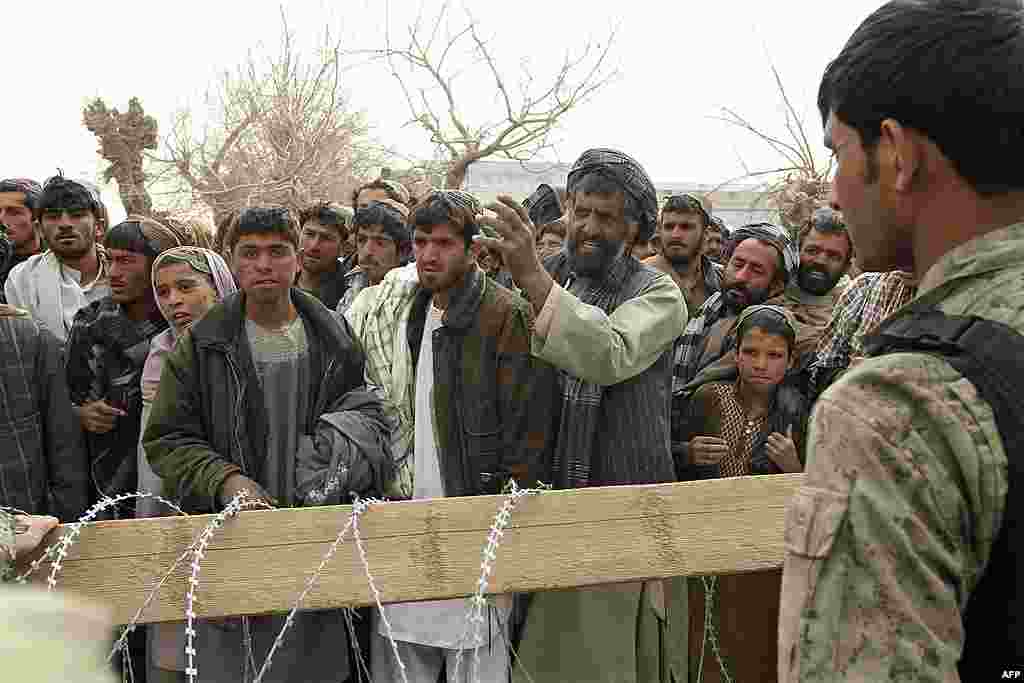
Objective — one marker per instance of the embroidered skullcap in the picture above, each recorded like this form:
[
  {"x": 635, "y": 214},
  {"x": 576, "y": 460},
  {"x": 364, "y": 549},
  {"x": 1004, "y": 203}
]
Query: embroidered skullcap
[
  {"x": 458, "y": 199},
  {"x": 30, "y": 188},
  {"x": 773, "y": 235},
  {"x": 628, "y": 174},
  {"x": 543, "y": 205},
  {"x": 785, "y": 314}
]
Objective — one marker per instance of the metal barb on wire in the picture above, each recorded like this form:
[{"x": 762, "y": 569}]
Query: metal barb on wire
[
  {"x": 475, "y": 616},
  {"x": 63, "y": 546},
  {"x": 128, "y": 628},
  {"x": 199, "y": 550},
  {"x": 358, "y": 508}
]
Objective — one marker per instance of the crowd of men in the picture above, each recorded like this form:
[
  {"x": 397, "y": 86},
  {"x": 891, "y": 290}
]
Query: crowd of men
[{"x": 429, "y": 346}]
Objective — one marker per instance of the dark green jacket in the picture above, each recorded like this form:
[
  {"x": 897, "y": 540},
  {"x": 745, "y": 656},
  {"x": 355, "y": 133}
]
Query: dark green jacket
[
  {"x": 209, "y": 420},
  {"x": 494, "y": 402}
]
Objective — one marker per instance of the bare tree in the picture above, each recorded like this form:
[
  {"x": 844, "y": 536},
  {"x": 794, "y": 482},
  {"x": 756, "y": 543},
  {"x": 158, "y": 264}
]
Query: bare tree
[
  {"x": 801, "y": 183},
  {"x": 282, "y": 132},
  {"x": 123, "y": 138},
  {"x": 527, "y": 111}
]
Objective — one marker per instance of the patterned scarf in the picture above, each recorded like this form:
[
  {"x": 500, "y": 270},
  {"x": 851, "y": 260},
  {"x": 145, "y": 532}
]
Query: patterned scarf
[{"x": 581, "y": 401}]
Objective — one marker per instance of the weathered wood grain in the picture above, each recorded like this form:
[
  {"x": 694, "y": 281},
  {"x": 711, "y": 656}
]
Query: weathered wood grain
[{"x": 260, "y": 561}]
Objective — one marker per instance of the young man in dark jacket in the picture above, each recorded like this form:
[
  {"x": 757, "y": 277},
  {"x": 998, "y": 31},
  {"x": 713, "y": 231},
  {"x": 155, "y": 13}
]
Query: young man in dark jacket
[
  {"x": 265, "y": 393},
  {"x": 451, "y": 353}
]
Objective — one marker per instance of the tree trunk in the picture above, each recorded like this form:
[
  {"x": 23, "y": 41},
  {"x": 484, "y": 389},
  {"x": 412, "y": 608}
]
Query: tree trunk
[{"x": 456, "y": 175}]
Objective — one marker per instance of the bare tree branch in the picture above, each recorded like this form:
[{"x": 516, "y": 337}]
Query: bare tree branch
[
  {"x": 528, "y": 114},
  {"x": 803, "y": 185},
  {"x": 282, "y": 132}
]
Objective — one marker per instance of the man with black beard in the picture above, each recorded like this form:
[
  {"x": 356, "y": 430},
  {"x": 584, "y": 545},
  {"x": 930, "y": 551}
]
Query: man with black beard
[
  {"x": 682, "y": 227},
  {"x": 714, "y": 236},
  {"x": 825, "y": 254},
  {"x": 760, "y": 261}
]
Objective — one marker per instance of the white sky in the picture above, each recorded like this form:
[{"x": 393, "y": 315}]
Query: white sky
[{"x": 680, "y": 62}]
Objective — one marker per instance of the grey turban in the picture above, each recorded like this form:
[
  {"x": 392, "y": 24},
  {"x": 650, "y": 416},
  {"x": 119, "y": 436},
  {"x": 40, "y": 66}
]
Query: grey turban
[
  {"x": 630, "y": 175},
  {"x": 543, "y": 205},
  {"x": 773, "y": 235}
]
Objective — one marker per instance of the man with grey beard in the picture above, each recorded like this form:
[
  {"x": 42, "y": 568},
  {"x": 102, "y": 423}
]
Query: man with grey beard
[{"x": 608, "y": 322}]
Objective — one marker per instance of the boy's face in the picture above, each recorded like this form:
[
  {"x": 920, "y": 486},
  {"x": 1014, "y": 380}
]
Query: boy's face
[{"x": 266, "y": 265}]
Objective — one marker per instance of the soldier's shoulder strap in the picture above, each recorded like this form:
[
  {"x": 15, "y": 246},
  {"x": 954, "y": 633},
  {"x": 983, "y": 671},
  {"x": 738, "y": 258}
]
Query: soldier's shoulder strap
[{"x": 991, "y": 356}]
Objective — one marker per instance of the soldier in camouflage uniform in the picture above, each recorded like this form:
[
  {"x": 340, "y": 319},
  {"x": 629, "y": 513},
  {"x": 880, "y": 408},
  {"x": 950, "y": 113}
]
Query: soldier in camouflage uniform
[{"x": 906, "y": 475}]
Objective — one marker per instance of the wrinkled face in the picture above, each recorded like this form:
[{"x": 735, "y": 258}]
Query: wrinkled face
[
  {"x": 18, "y": 219},
  {"x": 378, "y": 253},
  {"x": 129, "y": 276},
  {"x": 549, "y": 244},
  {"x": 183, "y": 295},
  {"x": 442, "y": 258},
  {"x": 864, "y": 190},
  {"x": 682, "y": 236},
  {"x": 70, "y": 233},
  {"x": 713, "y": 245},
  {"x": 598, "y": 231},
  {"x": 372, "y": 195},
  {"x": 749, "y": 275},
  {"x": 265, "y": 266},
  {"x": 824, "y": 258},
  {"x": 762, "y": 359},
  {"x": 321, "y": 247}
]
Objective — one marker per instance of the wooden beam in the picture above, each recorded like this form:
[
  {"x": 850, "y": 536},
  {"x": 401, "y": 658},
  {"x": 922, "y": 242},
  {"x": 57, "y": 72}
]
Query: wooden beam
[{"x": 419, "y": 550}]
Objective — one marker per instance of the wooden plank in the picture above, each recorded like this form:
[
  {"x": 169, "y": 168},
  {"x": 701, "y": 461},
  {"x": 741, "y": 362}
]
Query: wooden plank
[{"x": 260, "y": 561}]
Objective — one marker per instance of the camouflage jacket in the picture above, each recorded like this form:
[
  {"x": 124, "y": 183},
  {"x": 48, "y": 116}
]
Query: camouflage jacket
[{"x": 903, "y": 497}]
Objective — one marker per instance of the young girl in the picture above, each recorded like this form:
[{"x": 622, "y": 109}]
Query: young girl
[
  {"x": 187, "y": 282},
  {"x": 748, "y": 420}
]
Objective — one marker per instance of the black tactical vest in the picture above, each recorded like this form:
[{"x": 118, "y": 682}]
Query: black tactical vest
[{"x": 991, "y": 356}]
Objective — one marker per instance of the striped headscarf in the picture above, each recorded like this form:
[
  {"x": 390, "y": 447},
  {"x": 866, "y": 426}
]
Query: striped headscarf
[
  {"x": 628, "y": 174},
  {"x": 773, "y": 235}
]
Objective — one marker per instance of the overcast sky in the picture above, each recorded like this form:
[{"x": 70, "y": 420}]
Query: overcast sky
[{"x": 679, "y": 63}]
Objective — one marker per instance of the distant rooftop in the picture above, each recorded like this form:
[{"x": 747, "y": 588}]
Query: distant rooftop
[{"x": 736, "y": 203}]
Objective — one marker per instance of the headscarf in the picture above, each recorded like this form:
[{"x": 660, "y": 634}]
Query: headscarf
[
  {"x": 543, "y": 205},
  {"x": 30, "y": 188},
  {"x": 458, "y": 199},
  {"x": 400, "y": 233},
  {"x": 397, "y": 188},
  {"x": 628, "y": 174},
  {"x": 144, "y": 235},
  {"x": 773, "y": 235},
  {"x": 202, "y": 261}
]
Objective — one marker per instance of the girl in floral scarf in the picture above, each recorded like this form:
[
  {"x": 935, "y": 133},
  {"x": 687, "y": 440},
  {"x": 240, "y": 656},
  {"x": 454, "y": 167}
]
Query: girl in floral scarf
[{"x": 187, "y": 282}]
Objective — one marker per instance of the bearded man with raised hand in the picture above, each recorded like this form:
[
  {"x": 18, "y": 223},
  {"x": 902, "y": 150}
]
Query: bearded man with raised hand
[{"x": 608, "y": 323}]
